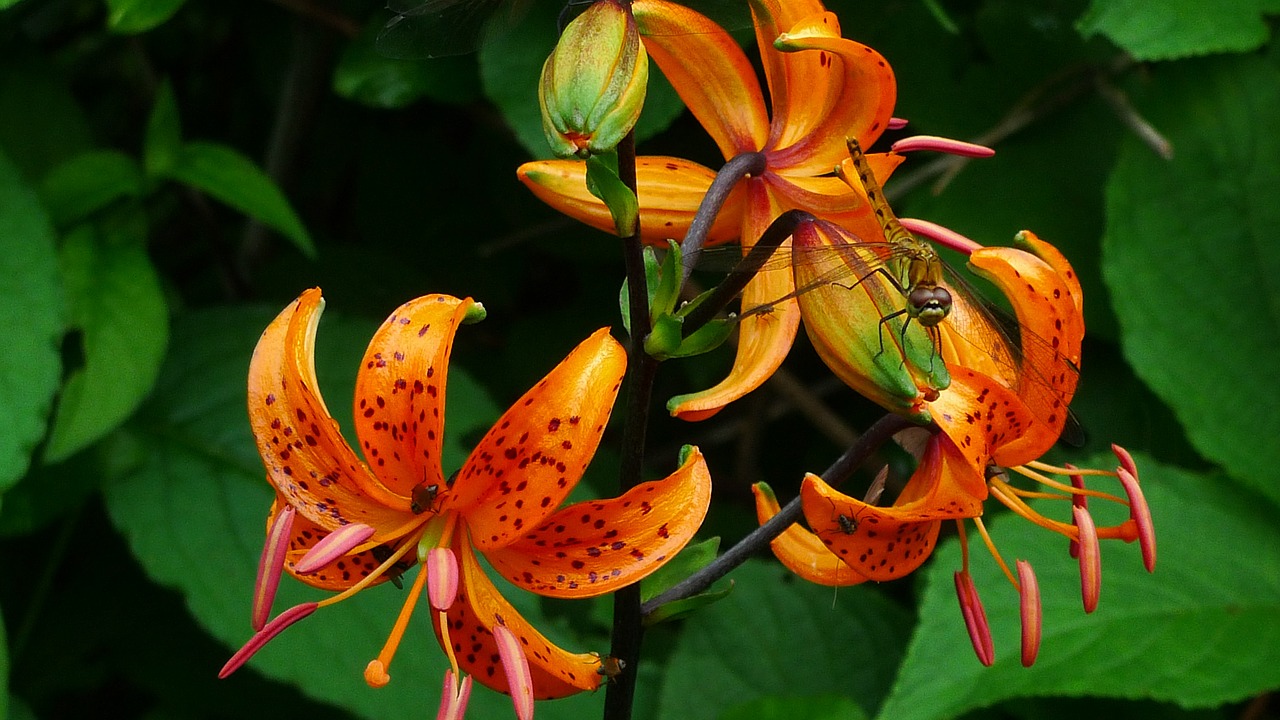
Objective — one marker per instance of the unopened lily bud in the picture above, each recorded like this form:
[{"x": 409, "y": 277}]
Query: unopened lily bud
[{"x": 594, "y": 82}]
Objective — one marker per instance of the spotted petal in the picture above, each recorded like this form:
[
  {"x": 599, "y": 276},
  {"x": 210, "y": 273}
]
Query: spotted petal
[
  {"x": 980, "y": 416},
  {"x": 799, "y": 550},
  {"x": 670, "y": 190},
  {"x": 596, "y": 547},
  {"x": 399, "y": 402},
  {"x": 528, "y": 462},
  {"x": 479, "y": 607},
  {"x": 306, "y": 457},
  {"x": 709, "y": 71},
  {"x": 888, "y": 543}
]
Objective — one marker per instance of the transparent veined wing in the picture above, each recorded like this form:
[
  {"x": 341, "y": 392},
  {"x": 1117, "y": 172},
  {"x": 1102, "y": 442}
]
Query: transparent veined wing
[
  {"x": 441, "y": 28},
  {"x": 972, "y": 326}
]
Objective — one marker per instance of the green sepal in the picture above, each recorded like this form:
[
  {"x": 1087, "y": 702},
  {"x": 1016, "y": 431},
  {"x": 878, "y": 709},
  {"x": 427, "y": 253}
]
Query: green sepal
[
  {"x": 688, "y": 561},
  {"x": 603, "y": 182},
  {"x": 682, "y": 608},
  {"x": 651, "y": 272},
  {"x": 664, "y": 340},
  {"x": 663, "y": 296}
]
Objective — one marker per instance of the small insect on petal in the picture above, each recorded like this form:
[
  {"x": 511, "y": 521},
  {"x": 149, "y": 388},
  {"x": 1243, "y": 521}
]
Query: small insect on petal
[
  {"x": 1030, "y": 611},
  {"x": 1090, "y": 559},
  {"x": 1140, "y": 512},
  {"x": 454, "y": 697},
  {"x": 943, "y": 145},
  {"x": 975, "y": 618},
  {"x": 271, "y": 565},
  {"x": 333, "y": 546},
  {"x": 265, "y": 635},
  {"x": 516, "y": 667},
  {"x": 442, "y": 578}
]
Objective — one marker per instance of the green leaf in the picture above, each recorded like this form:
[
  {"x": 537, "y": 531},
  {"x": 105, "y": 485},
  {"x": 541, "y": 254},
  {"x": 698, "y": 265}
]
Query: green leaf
[
  {"x": 235, "y": 180},
  {"x": 117, "y": 305},
  {"x": 163, "y": 141},
  {"x": 40, "y": 123},
  {"x": 816, "y": 707},
  {"x": 90, "y": 182},
  {"x": 604, "y": 183},
  {"x": 138, "y": 16},
  {"x": 1177, "y": 28},
  {"x": 32, "y": 314},
  {"x": 688, "y": 561},
  {"x": 188, "y": 493},
  {"x": 1190, "y": 257},
  {"x": 511, "y": 67},
  {"x": 1198, "y": 632},
  {"x": 368, "y": 77},
  {"x": 777, "y": 635}
]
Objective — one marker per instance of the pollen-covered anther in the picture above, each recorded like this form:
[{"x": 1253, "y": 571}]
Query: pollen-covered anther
[
  {"x": 516, "y": 667},
  {"x": 943, "y": 145},
  {"x": 1090, "y": 559},
  {"x": 897, "y": 123},
  {"x": 1030, "y": 610},
  {"x": 454, "y": 697},
  {"x": 1140, "y": 513},
  {"x": 271, "y": 566},
  {"x": 1126, "y": 460},
  {"x": 333, "y": 546},
  {"x": 942, "y": 235},
  {"x": 442, "y": 577},
  {"x": 975, "y": 618},
  {"x": 266, "y": 635}
]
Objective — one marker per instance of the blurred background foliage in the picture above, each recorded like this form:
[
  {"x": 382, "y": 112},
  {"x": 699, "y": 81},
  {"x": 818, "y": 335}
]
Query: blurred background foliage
[{"x": 173, "y": 172}]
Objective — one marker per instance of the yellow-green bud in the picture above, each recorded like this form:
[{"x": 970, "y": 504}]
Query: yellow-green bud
[{"x": 593, "y": 84}]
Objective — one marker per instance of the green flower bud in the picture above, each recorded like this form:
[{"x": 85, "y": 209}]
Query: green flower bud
[{"x": 594, "y": 82}]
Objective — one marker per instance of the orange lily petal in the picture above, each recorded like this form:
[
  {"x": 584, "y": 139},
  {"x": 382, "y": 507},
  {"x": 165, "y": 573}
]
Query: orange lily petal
[
  {"x": 764, "y": 339},
  {"x": 709, "y": 71},
  {"x": 479, "y": 607},
  {"x": 980, "y": 416},
  {"x": 670, "y": 190},
  {"x": 887, "y": 543},
  {"x": 399, "y": 401},
  {"x": 596, "y": 547},
  {"x": 831, "y": 198},
  {"x": 845, "y": 89},
  {"x": 773, "y": 18},
  {"x": 532, "y": 458},
  {"x": 306, "y": 457},
  {"x": 1050, "y": 254},
  {"x": 1046, "y": 307},
  {"x": 799, "y": 550}
]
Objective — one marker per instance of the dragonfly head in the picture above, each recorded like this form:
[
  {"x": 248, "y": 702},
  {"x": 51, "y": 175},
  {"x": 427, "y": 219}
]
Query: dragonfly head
[{"x": 928, "y": 304}]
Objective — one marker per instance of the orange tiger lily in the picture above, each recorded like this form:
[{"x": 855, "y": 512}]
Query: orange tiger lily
[{"x": 343, "y": 524}]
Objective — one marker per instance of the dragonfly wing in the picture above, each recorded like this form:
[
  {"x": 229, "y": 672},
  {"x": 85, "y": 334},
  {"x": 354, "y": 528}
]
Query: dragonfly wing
[{"x": 441, "y": 28}]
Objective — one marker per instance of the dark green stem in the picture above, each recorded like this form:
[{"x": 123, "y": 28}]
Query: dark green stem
[
  {"x": 733, "y": 172},
  {"x": 759, "y": 539},
  {"x": 627, "y": 628},
  {"x": 778, "y": 231}
]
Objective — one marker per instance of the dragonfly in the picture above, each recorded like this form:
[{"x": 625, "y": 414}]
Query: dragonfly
[
  {"x": 441, "y": 28},
  {"x": 928, "y": 287}
]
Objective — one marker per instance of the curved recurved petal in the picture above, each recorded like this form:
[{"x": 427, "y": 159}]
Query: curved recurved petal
[
  {"x": 773, "y": 18},
  {"x": 845, "y": 89},
  {"x": 399, "y": 404},
  {"x": 305, "y": 455},
  {"x": 528, "y": 462},
  {"x": 980, "y": 416},
  {"x": 670, "y": 190},
  {"x": 1053, "y": 329},
  {"x": 832, "y": 199},
  {"x": 556, "y": 672},
  {"x": 799, "y": 550},
  {"x": 709, "y": 71},
  {"x": 1032, "y": 243},
  {"x": 342, "y": 573},
  {"x": 594, "y": 547},
  {"x": 764, "y": 338},
  {"x": 887, "y": 543}
]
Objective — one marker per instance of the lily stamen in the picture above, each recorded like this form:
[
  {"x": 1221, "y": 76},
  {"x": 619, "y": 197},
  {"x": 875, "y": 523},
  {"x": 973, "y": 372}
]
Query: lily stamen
[
  {"x": 266, "y": 635},
  {"x": 1090, "y": 556},
  {"x": 1030, "y": 611},
  {"x": 975, "y": 618},
  {"x": 995, "y": 554},
  {"x": 943, "y": 236},
  {"x": 949, "y": 146},
  {"x": 332, "y": 547},
  {"x": 271, "y": 566},
  {"x": 375, "y": 673}
]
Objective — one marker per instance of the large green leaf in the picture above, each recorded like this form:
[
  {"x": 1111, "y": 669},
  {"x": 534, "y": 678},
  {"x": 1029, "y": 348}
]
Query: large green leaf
[
  {"x": 137, "y": 16},
  {"x": 90, "y": 182},
  {"x": 32, "y": 315},
  {"x": 119, "y": 309},
  {"x": 1172, "y": 29},
  {"x": 1198, "y": 632},
  {"x": 777, "y": 635},
  {"x": 1191, "y": 259},
  {"x": 40, "y": 123},
  {"x": 190, "y": 498},
  {"x": 235, "y": 180}
]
